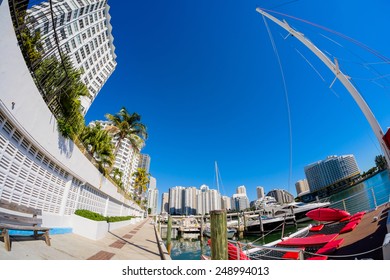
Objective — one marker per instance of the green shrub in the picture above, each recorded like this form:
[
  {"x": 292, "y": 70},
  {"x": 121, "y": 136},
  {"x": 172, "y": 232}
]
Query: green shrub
[
  {"x": 90, "y": 215},
  {"x": 118, "y": 219},
  {"x": 98, "y": 217}
]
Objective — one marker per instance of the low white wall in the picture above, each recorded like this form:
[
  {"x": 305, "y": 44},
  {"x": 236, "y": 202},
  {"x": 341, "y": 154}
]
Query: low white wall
[
  {"x": 90, "y": 229},
  {"x": 56, "y": 221},
  {"x": 116, "y": 225}
]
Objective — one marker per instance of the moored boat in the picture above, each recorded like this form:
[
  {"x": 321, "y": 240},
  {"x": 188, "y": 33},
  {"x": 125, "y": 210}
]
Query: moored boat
[
  {"x": 231, "y": 232},
  {"x": 362, "y": 235}
]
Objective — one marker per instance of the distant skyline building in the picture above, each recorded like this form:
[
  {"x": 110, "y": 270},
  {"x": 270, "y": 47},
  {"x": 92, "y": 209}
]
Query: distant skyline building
[
  {"x": 333, "y": 169},
  {"x": 144, "y": 162},
  {"x": 165, "y": 203},
  {"x": 152, "y": 195},
  {"x": 302, "y": 187},
  {"x": 260, "y": 192},
  {"x": 241, "y": 190},
  {"x": 176, "y": 200},
  {"x": 240, "y": 201},
  {"x": 281, "y": 196},
  {"x": 192, "y": 201},
  {"x": 84, "y": 34}
]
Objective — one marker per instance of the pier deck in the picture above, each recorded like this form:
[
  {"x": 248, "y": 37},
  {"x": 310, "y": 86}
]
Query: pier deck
[{"x": 133, "y": 242}]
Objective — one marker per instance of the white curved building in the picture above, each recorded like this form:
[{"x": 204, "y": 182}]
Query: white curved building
[{"x": 38, "y": 167}]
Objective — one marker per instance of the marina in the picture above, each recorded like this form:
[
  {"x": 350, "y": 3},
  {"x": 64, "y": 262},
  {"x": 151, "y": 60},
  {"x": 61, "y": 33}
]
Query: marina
[{"x": 365, "y": 196}]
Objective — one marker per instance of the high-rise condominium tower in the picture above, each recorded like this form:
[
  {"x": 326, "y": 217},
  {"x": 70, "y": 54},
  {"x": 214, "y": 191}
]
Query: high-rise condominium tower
[{"x": 82, "y": 31}]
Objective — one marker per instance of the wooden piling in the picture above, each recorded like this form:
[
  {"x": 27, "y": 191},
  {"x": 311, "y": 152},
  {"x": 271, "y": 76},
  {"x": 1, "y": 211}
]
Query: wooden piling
[
  {"x": 169, "y": 234},
  {"x": 201, "y": 230},
  {"x": 261, "y": 227},
  {"x": 219, "y": 244},
  {"x": 240, "y": 229}
]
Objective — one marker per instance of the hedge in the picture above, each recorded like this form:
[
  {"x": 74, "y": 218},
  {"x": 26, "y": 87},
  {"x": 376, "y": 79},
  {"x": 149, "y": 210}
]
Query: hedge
[{"x": 98, "y": 217}]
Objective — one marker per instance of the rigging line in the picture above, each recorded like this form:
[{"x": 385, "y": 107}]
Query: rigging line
[
  {"x": 333, "y": 41},
  {"x": 360, "y": 44},
  {"x": 374, "y": 63},
  {"x": 286, "y": 96},
  {"x": 364, "y": 63},
  {"x": 311, "y": 65}
]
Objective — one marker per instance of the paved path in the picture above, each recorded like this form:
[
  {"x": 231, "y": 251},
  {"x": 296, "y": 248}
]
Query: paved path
[{"x": 133, "y": 242}]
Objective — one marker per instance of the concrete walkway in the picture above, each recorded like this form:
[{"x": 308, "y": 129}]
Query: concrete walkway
[{"x": 133, "y": 242}]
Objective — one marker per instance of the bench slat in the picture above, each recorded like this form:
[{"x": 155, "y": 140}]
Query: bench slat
[
  {"x": 10, "y": 218},
  {"x": 13, "y": 221}
]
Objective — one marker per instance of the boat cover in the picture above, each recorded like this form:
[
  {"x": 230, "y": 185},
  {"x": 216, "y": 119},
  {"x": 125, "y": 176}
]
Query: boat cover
[{"x": 308, "y": 241}]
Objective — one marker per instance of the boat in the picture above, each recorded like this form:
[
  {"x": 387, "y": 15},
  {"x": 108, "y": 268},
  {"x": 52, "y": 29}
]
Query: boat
[
  {"x": 231, "y": 232},
  {"x": 269, "y": 206},
  {"x": 340, "y": 236},
  {"x": 257, "y": 224}
]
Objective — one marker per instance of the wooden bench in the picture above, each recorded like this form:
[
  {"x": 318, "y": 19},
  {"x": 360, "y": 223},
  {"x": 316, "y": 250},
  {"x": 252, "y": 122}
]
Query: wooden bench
[{"x": 14, "y": 221}]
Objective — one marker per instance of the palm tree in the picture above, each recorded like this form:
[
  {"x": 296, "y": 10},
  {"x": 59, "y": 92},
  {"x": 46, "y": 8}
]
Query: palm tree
[
  {"x": 125, "y": 125},
  {"x": 141, "y": 181},
  {"x": 98, "y": 143}
]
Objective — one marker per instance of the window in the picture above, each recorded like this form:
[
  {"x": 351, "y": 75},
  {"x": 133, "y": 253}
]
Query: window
[
  {"x": 81, "y": 23},
  {"x": 75, "y": 26},
  {"x": 70, "y": 30},
  {"x": 73, "y": 43},
  {"x": 67, "y": 48},
  {"x": 82, "y": 53},
  {"x": 62, "y": 33},
  {"x": 77, "y": 57}
]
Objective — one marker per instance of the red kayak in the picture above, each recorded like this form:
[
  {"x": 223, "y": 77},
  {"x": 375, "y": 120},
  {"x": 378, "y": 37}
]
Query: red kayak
[{"x": 327, "y": 214}]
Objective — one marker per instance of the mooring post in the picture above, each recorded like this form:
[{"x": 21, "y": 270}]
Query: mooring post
[
  {"x": 293, "y": 215},
  {"x": 261, "y": 227},
  {"x": 284, "y": 222},
  {"x": 219, "y": 244},
  {"x": 169, "y": 234},
  {"x": 201, "y": 230}
]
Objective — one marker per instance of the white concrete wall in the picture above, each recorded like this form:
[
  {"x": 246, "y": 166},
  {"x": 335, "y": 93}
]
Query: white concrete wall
[{"x": 90, "y": 229}]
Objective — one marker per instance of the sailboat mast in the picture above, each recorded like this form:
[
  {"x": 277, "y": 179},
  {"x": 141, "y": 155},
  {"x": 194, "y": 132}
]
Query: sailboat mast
[
  {"x": 334, "y": 67},
  {"x": 216, "y": 175}
]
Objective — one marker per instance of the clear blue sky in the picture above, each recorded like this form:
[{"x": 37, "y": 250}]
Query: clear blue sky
[{"x": 206, "y": 81}]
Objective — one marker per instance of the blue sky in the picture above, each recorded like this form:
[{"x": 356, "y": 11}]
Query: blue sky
[{"x": 206, "y": 81}]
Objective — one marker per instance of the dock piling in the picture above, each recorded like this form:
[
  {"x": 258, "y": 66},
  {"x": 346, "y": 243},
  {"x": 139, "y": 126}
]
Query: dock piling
[
  {"x": 219, "y": 242},
  {"x": 169, "y": 234}
]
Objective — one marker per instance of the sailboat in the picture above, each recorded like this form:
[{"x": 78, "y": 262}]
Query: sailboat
[{"x": 231, "y": 232}]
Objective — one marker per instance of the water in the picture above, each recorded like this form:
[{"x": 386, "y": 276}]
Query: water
[{"x": 364, "y": 196}]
